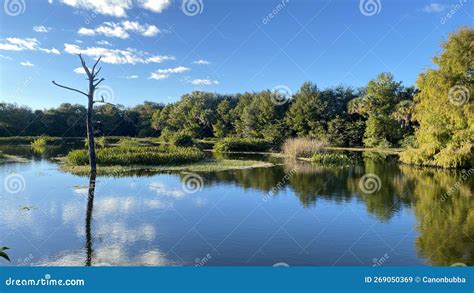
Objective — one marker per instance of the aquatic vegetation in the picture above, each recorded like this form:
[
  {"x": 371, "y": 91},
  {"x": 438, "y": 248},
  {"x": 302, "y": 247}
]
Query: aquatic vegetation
[
  {"x": 331, "y": 159},
  {"x": 234, "y": 144},
  {"x": 302, "y": 147},
  {"x": 40, "y": 141},
  {"x": 146, "y": 155}
]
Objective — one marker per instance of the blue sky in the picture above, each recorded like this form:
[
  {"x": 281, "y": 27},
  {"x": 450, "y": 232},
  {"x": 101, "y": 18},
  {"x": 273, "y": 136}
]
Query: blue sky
[{"x": 158, "y": 50}]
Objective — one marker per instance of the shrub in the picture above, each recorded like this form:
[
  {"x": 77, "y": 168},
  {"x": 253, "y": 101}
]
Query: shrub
[
  {"x": 331, "y": 159},
  {"x": 181, "y": 139},
  {"x": 302, "y": 147},
  {"x": 137, "y": 156},
  {"x": 234, "y": 144}
]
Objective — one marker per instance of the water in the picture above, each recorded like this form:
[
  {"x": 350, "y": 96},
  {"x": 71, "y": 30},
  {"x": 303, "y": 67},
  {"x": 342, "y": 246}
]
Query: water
[{"x": 290, "y": 214}]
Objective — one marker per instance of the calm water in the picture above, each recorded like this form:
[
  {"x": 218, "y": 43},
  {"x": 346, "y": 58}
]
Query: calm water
[{"x": 298, "y": 214}]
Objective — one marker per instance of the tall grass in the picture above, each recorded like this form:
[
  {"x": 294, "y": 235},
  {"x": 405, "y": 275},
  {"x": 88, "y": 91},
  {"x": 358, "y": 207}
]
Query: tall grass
[
  {"x": 234, "y": 144},
  {"x": 302, "y": 147},
  {"x": 122, "y": 156},
  {"x": 331, "y": 159}
]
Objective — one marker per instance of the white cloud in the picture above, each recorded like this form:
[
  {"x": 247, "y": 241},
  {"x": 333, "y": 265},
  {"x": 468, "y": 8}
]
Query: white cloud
[
  {"x": 121, "y": 30},
  {"x": 158, "y": 76},
  {"x": 179, "y": 69},
  {"x": 118, "y": 8},
  {"x": 78, "y": 41},
  {"x": 26, "y": 44},
  {"x": 103, "y": 43},
  {"x": 41, "y": 29},
  {"x": 27, "y": 64},
  {"x": 201, "y": 62},
  {"x": 165, "y": 73},
  {"x": 79, "y": 70},
  {"x": 204, "y": 82},
  {"x": 131, "y": 77},
  {"x": 435, "y": 8},
  {"x": 116, "y": 56},
  {"x": 155, "y": 5}
]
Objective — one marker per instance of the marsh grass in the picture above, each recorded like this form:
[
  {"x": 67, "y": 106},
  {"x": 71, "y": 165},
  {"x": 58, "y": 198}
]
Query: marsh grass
[
  {"x": 302, "y": 147},
  {"x": 234, "y": 144},
  {"x": 336, "y": 159},
  {"x": 144, "y": 155}
]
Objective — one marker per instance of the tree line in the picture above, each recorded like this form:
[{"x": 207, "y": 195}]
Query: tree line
[
  {"x": 377, "y": 115},
  {"x": 435, "y": 120}
]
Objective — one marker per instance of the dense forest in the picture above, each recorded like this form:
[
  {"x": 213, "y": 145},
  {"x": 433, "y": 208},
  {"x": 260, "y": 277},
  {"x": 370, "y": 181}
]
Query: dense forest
[{"x": 434, "y": 121}]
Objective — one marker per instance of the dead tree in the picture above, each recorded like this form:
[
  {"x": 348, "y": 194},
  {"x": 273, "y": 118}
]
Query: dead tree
[{"x": 93, "y": 84}]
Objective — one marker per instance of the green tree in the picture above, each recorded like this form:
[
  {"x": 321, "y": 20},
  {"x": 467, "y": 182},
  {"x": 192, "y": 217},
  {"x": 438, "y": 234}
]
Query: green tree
[
  {"x": 444, "y": 107},
  {"x": 305, "y": 115}
]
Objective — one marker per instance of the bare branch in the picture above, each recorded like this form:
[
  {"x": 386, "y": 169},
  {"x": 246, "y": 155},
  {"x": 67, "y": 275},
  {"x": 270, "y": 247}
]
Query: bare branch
[
  {"x": 103, "y": 102},
  {"x": 95, "y": 74},
  {"x": 101, "y": 80},
  {"x": 86, "y": 69},
  {"x": 69, "y": 88},
  {"x": 95, "y": 64}
]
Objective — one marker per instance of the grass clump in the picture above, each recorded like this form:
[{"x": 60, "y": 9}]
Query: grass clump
[
  {"x": 146, "y": 156},
  {"x": 40, "y": 142},
  {"x": 331, "y": 159},
  {"x": 302, "y": 147},
  {"x": 234, "y": 144}
]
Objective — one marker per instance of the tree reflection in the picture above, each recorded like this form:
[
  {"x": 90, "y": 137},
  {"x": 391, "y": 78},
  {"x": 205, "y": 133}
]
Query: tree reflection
[{"x": 90, "y": 206}]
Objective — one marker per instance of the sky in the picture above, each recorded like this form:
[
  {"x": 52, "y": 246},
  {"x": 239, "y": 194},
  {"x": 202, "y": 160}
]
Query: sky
[{"x": 158, "y": 50}]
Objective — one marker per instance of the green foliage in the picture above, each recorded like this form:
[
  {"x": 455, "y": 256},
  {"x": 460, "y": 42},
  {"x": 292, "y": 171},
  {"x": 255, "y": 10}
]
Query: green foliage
[
  {"x": 234, "y": 144},
  {"x": 444, "y": 107},
  {"x": 386, "y": 104},
  {"x": 182, "y": 139},
  {"x": 137, "y": 156},
  {"x": 305, "y": 116},
  {"x": 127, "y": 142},
  {"x": 344, "y": 132},
  {"x": 331, "y": 159},
  {"x": 40, "y": 142}
]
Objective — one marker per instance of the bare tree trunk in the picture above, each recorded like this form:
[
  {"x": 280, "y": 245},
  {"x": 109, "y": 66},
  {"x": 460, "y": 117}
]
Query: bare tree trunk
[
  {"x": 93, "y": 84},
  {"x": 90, "y": 135}
]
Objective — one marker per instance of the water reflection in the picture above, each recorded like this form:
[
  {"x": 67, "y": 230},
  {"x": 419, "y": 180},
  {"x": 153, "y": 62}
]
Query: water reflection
[
  {"x": 90, "y": 206},
  {"x": 418, "y": 216}
]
